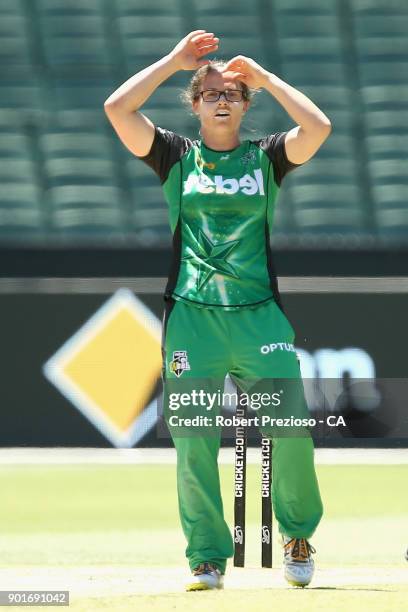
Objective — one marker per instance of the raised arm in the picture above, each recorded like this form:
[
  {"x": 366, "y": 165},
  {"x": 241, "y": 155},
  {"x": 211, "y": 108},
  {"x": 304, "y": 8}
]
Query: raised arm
[
  {"x": 302, "y": 141},
  {"x": 134, "y": 129}
]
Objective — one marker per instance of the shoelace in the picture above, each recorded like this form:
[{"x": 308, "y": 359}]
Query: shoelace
[
  {"x": 300, "y": 550},
  {"x": 204, "y": 568}
]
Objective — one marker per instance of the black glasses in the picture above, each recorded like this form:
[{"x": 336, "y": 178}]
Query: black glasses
[{"x": 212, "y": 95}]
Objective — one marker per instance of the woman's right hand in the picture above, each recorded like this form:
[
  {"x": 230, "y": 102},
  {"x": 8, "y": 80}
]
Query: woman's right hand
[{"x": 187, "y": 53}]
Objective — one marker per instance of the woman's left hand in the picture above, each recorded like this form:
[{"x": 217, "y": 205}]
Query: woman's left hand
[{"x": 246, "y": 70}]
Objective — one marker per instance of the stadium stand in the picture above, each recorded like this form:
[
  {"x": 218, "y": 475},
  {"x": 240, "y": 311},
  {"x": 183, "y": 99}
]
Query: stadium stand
[{"x": 66, "y": 177}]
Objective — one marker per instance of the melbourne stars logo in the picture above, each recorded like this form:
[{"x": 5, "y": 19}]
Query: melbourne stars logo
[
  {"x": 248, "y": 158},
  {"x": 211, "y": 258}
]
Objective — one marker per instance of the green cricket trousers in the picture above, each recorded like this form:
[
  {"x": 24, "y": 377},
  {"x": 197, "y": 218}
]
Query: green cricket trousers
[{"x": 255, "y": 347}]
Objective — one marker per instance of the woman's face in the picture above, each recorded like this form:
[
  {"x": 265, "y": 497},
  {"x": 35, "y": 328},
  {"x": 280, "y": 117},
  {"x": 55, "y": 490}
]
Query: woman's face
[{"x": 209, "y": 112}]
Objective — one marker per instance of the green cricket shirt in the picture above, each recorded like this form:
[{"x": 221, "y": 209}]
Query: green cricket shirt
[{"x": 221, "y": 206}]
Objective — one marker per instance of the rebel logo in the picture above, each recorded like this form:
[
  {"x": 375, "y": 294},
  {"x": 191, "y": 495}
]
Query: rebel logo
[{"x": 247, "y": 184}]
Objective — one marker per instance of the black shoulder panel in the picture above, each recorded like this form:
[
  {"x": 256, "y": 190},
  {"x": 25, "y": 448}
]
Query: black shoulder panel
[
  {"x": 167, "y": 149},
  {"x": 274, "y": 147}
]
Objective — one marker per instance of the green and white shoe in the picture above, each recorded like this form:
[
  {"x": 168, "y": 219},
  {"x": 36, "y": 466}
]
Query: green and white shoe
[
  {"x": 206, "y": 577},
  {"x": 297, "y": 562}
]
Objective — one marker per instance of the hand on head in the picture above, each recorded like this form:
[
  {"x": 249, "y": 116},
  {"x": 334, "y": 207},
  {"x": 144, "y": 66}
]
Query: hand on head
[
  {"x": 188, "y": 52},
  {"x": 246, "y": 70}
]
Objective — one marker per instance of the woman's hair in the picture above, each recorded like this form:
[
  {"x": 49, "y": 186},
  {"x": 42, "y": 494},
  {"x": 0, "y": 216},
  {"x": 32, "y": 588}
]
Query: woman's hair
[{"x": 192, "y": 91}]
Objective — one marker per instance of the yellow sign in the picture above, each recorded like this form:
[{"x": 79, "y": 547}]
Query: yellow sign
[{"x": 110, "y": 367}]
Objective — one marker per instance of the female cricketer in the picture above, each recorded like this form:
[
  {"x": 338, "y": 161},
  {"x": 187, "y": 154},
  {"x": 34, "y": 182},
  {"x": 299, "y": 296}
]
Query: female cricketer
[{"x": 222, "y": 305}]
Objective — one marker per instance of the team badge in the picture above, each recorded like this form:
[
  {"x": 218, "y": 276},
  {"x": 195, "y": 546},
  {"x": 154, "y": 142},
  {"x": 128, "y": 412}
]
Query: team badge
[
  {"x": 202, "y": 164},
  {"x": 179, "y": 363}
]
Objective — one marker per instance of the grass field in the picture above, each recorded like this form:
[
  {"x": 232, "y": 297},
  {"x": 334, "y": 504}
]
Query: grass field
[{"x": 111, "y": 536}]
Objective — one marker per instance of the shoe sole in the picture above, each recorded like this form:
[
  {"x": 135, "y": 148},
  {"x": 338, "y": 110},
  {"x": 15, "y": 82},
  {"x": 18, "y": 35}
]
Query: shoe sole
[
  {"x": 202, "y": 586},
  {"x": 298, "y": 584}
]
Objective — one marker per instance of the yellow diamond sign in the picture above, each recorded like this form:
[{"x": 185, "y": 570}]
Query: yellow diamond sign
[{"x": 110, "y": 367}]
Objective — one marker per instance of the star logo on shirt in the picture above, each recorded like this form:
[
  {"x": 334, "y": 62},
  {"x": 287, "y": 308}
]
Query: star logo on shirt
[
  {"x": 248, "y": 158},
  {"x": 211, "y": 258}
]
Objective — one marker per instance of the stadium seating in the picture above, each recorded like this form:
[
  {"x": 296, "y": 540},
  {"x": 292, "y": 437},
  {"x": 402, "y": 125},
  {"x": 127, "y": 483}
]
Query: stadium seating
[
  {"x": 149, "y": 217},
  {"x": 87, "y": 212},
  {"x": 66, "y": 176},
  {"x": 22, "y": 217},
  {"x": 71, "y": 41}
]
